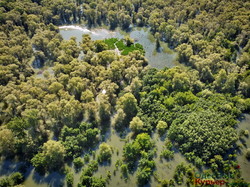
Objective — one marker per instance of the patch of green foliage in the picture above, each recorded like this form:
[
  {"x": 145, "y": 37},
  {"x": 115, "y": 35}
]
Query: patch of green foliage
[
  {"x": 168, "y": 153},
  {"x": 122, "y": 46},
  {"x": 110, "y": 42},
  {"x": 137, "y": 149},
  {"x": 13, "y": 180},
  {"x": 75, "y": 140},
  {"x": 87, "y": 178},
  {"x": 201, "y": 122}
]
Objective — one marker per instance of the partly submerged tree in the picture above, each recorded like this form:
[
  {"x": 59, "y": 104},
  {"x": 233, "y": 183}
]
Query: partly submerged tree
[{"x": 50, "y": 158}]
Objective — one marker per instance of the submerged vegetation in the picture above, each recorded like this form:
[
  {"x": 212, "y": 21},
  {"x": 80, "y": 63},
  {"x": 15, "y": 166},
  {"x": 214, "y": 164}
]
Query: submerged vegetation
[{"x": 53, "y": 121}]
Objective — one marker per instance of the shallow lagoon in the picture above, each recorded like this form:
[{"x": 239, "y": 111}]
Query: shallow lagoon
[{"x": 164, "y": 58}]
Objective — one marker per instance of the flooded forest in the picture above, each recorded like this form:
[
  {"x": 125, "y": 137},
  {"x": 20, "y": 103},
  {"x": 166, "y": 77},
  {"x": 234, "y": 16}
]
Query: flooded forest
[{"x": 99, "y": 93}]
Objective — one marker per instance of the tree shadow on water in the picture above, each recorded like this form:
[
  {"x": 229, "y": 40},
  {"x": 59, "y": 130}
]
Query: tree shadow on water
[
  {"x": 53, "y": 179},
  {"x": 8, "y": 167}
]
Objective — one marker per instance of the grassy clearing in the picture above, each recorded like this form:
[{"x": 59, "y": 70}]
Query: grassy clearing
[
  {"x": 110, "y": 42},
  {"x": 121, "y": 45}
]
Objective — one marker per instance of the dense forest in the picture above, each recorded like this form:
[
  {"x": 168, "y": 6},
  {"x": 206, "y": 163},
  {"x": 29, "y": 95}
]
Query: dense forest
[{"x": 63, "y": 117}]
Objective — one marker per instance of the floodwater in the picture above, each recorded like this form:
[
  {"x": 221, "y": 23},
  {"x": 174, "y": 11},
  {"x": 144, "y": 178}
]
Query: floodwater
[
  {"x": 33, "y": 179},
  {"x": 241, "y": 158},
  {"x": 157, "y": 59},
  {"x": 165, "y": 58},
  {"x": 164, "y": 169}
]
